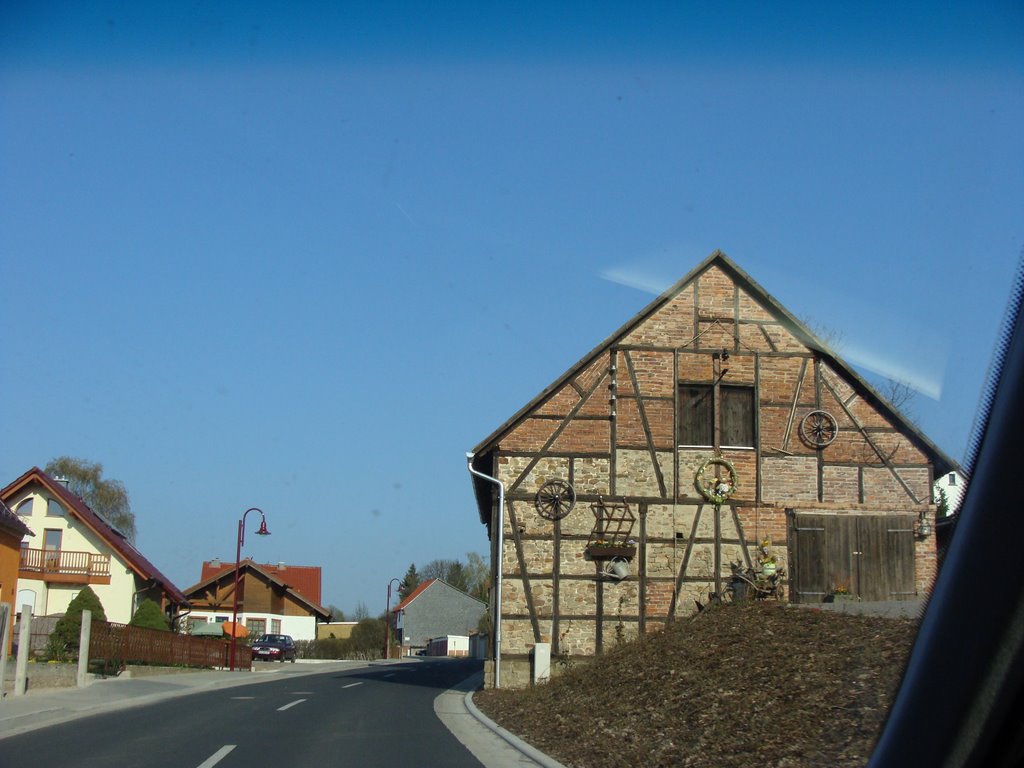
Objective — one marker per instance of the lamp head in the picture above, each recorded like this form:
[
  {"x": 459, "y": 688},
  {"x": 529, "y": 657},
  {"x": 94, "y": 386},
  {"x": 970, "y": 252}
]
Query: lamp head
[{"x": 263, "y": 528}]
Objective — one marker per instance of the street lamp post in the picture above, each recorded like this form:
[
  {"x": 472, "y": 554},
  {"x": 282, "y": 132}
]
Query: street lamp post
[
  {"x": 262, "y": 531},
  {"x": 387, "y": 620}
]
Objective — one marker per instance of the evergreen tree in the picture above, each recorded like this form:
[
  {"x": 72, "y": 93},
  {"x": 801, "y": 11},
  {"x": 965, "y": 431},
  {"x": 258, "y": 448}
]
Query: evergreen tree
[
  {"x": 66, "y": 633},
  {"x": 409, "y": 583},
  {"x": 149, "y": 616}
]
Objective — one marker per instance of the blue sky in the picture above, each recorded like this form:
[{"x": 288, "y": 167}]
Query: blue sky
[{"x": 305, "y": 258}]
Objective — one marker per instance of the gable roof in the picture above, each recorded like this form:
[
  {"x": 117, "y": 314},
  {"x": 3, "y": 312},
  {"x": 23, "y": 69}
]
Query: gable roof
[
  {"x": 9, "y": 521},
  {"x": 413, "y": 595},
  {"x": 95, "y": 522},
  {"x": 424, "y": 586},
  {"x": 259, "y": 570},
  {"x": 943, "y": 463},
  {"x": 306, "y": 579}
]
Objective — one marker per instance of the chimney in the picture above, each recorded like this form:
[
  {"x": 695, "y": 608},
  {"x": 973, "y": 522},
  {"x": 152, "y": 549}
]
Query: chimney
[
  {"x": 215, "y": 563},
  {"x": 280, "y": 566},
  {"x": 65, "y": 481}
]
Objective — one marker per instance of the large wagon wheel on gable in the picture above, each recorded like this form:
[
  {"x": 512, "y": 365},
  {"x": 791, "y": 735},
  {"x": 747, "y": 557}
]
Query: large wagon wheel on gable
[
  {"x": 555, "y": 499},
  {"x": 818, "y": 429}
]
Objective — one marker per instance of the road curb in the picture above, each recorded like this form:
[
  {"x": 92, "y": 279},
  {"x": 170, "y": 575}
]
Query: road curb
[{"x": 514, "y": 741}]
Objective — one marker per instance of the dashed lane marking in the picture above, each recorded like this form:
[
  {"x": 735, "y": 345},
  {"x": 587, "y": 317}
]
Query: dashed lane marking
[
  {"x": 289, "y": 706},
  {"x": 217, "y": 756},
  {"x": 351, "y": 685}
]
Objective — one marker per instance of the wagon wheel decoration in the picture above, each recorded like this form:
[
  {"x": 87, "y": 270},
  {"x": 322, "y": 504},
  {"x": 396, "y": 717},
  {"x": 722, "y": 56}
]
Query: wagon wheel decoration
[
  {"x": 716, "y": 486},
  {"x": 818, "y": 429},
  {"x": 555, "y": 499}
]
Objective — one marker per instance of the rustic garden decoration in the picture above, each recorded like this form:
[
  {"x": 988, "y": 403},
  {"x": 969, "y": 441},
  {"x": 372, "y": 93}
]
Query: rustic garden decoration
[
  {"x": 555, "y": 499},
  {"x": 613, "y": 527},
  {"x": 818, "y": 429},
  {"x": 714, "y": 486}
]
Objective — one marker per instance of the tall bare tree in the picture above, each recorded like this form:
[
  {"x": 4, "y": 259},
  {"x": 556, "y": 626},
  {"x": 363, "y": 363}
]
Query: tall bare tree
[
  {"x": 105, "y": 496},
  {"x": 899, "y": 394},
  {"x": 478, "y": 576}
]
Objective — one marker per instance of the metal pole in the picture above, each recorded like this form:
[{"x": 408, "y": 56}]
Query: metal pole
[
  {"x": 234, "y": 596},
  {"x": 496, "y": 565},
  {"x": 387, "y": 622},
  {"x": 387, "y": 626}
]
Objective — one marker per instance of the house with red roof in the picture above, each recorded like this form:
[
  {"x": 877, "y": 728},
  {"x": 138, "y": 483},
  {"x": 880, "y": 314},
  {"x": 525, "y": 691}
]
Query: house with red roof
[
  {"x": 272, "y": 598},
  {"x": 75, "y": 546}
]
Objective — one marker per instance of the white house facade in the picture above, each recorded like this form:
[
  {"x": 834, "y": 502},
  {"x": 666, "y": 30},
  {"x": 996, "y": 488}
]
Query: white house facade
[{"x": 74, "y": 547}]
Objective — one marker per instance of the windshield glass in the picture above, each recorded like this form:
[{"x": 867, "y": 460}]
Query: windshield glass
[{"x": 701, "y": 289}]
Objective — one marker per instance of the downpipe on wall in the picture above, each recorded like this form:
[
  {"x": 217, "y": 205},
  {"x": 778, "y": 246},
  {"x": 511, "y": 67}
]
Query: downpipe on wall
[{"x": 498, "y": 561}]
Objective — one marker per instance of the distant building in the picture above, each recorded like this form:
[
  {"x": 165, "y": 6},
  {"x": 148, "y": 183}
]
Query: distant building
[
  {"x": 953, "y": 485},
  {"x": 436, "y": 609},
  {"x": 270, "y": 598},
  {"x": 342, "y": 630}
]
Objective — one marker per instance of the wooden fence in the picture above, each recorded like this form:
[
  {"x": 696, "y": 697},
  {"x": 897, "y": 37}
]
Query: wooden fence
[{"x": 120, "y": 644}]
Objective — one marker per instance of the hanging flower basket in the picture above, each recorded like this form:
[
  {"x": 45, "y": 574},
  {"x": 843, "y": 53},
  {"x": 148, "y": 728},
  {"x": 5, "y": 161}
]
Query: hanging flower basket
[{"x": 601, "y": 551}]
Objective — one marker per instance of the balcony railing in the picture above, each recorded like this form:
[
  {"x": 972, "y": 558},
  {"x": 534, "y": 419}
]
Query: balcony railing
[{"x": 65, "y": 565}]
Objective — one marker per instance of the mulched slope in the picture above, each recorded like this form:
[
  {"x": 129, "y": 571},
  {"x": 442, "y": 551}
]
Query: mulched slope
[{"x": 738, "y": 685}]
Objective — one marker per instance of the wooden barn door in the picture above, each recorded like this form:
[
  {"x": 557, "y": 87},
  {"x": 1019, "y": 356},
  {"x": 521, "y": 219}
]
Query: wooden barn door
[{"x": 873, "y": 557}]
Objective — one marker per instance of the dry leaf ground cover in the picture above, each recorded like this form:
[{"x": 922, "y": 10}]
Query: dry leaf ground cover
[{"x": 737, "y": 685}]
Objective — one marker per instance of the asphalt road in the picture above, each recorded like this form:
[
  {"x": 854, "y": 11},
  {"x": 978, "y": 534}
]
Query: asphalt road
[{"x": 366, "y": 717}]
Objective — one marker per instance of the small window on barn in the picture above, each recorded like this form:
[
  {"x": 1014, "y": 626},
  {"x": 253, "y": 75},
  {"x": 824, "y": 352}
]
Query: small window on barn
[
  {"x": 697, "y": 416},
  {"x": 952, "y": 478},
  {"x": 738, "y": 417}
]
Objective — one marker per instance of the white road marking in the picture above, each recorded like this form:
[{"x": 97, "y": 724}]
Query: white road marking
[
  {"x": 217, "y": 756},
  {"x": 391, "y": 674},
  {"x": 351, "y": 685},
  {"x": 289, "y": 706},
  {"x": 242, "y": 698},
  {"x": 301, "y": 693}
]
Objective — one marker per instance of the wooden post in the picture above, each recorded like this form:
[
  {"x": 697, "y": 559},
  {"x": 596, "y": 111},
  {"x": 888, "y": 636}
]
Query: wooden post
[
  {"x": 83, "y": 649},
  {"x": 24, "y": 641}
]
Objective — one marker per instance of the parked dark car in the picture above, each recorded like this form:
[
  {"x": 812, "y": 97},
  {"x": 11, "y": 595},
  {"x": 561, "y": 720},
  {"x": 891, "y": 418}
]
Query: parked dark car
[{"x": 274, "y": 648}]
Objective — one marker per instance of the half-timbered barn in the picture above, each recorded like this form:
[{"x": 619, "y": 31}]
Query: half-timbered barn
[{"x": 712, "y": 433}]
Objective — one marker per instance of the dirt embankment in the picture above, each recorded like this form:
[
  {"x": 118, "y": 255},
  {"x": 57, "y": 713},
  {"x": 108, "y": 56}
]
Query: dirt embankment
[{"x": 738, "y": 685}]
